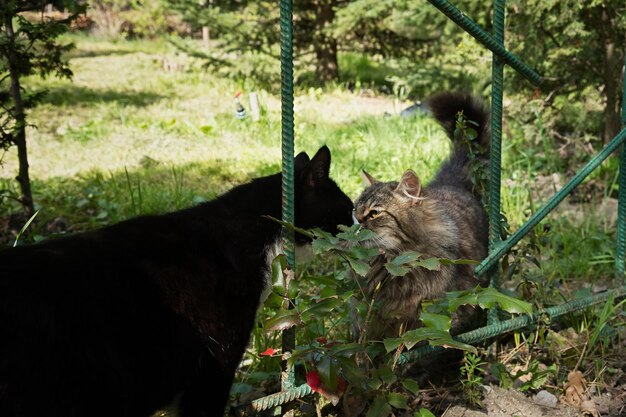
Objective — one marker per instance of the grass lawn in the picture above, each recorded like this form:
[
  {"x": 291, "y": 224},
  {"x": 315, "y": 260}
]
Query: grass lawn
[{"x": 125, "y": 122}]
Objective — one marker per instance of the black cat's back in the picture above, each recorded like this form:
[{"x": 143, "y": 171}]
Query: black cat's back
[
  {"x": 74, "y": 337},
  {"x": 150, "y": 312},
  {"x": 107, "y": 321}
]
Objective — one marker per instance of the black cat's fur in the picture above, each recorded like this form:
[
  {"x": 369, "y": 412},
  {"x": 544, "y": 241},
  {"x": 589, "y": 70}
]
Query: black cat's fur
[{"x": 152, "y": 311}]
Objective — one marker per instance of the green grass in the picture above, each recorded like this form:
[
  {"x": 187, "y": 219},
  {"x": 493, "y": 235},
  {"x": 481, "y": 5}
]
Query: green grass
[{"x": 123, "y": 109}]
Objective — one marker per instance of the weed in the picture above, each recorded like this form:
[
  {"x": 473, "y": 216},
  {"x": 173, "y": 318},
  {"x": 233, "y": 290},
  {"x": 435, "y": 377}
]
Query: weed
[
  {"x": 23, "y": 229},
  {"x": 471, "y": 378}
]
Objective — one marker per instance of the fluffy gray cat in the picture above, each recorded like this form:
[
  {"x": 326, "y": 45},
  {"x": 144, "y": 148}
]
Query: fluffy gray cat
[{"x": 444, "y": 219}]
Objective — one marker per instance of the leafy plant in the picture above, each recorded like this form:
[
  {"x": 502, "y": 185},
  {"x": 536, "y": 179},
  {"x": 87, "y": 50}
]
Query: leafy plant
[
  {"x": 322, "y": 303},
  {"x": 27, "y": 48},
  {"x": 530, "y": 377},
  {"x": 471, "y": 378}
]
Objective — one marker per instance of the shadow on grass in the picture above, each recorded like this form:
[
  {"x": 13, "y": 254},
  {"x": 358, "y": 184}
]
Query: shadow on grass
[
  {"x": 83, "y": 53},
  {"x": 76, "y": 95},
  {"x": 95, "y": 199}
]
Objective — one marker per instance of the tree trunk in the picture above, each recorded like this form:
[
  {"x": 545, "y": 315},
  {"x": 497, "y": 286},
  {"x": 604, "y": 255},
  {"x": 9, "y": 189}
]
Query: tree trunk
[
  {"x": 325, "y": 46},
  {"x": 19, "y": 134},
  {"x": 612, "y": 65}
]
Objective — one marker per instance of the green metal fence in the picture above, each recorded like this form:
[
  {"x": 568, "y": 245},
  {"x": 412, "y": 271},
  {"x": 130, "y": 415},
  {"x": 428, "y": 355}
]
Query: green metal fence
[{"x": 497, "y": 248}]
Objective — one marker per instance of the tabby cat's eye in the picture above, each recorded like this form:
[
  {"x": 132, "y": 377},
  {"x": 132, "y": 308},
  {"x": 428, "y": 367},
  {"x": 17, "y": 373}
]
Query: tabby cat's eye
[{"x": 372, "y": 214}]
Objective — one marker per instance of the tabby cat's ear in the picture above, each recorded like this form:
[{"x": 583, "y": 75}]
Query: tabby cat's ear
[
  {"x": 367, "y": 178},
  {"x": 410, "y": 186},
  {"x": 319, "y": 167},
  {"x": 301, "y": 161}
]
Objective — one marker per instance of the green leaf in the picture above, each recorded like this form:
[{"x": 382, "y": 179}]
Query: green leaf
[
  {"x": 402, "y": 263},
  {"x": 459, "y": 298},
  {"x": 435, "y": 338},
  {"x": 352, "y": 372},
  {"x": 329, "y": 372},
  {"x": 284, "y": 319},
  {"x": 328, "y": 292},
  {"x": 454, "y": 344},
  {"x": 413, "y": 337},
  {"x": 350, "y": 234},
  {"x": 386, "y": 374},
  {"x": 346, "y": 349},
  {"x": 363, "y": 253},
  {"x": 423, "y": 413},
  {"x": 374, "y": 384},
  {"x": 348, "y": 229},
  {"x": 301, "y": 353},
  {"x": 405, "y": 258},
  {"x": 365, "y": 234},
  {"x": 290, "y": 226},
  {"x": 322, "y": 245},
  {"x": 398, "y": 400},
  {"x": 358, "y": 266},
  {"x": 436, "y": 321},
  {"x": 380, "y": 407},
  {"x": 293, "y": 288},
  {"x": 538, "y": 377},
  {"x": 411, "y": 385},
  {"x": 499, "y": 371},
  {"x": 489, "y": 297},
  {"x": 326, "y": 280},
  {"x": 396, "y": 270},
  {"x": 274, "y": 301},
  {"x": 321, "y": 234},
  {"x": 321, "y": 308},
  {"x": 462, "y": 261},
  {"x": 392, "y": 343},
  {"x": 432, "y": 264},
  {"x": 279, "y": 263},
  {"x": 354, "y": 233}
]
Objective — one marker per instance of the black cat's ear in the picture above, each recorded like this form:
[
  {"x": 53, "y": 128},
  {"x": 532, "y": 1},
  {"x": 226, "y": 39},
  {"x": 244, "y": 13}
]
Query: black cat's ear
[
  {"x": 410, "y": 186},
  {"x": 368, "y": 179},
  {"x": 319, "y": 167},
  {"x": 301, "y": 161}
]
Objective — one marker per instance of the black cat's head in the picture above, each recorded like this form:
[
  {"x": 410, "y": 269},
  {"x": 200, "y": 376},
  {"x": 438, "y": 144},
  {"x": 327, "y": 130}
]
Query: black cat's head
[{"x": 319, "y": 202}]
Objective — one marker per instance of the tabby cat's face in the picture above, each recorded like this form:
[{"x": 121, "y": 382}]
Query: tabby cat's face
[{"x": 390, "y": 210}]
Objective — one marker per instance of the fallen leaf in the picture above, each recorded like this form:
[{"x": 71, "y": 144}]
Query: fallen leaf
[
  {"x": 588, "y": 408},
  {"x": 575, "y": 394},
  {"x": 575, "y": 389}
]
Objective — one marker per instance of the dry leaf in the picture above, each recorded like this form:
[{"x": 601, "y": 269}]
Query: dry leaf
[
  {"x": 588, "y": 409},
  {"x": 575, "y": 389},
  {"x": 575, "y": 394}
]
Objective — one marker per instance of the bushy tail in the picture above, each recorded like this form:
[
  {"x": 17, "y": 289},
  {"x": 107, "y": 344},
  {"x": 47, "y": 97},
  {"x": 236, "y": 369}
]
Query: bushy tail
[{"x": 445, "y": 108}]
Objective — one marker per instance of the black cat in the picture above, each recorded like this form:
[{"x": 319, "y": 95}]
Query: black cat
[{"x": 152, "y": 311}]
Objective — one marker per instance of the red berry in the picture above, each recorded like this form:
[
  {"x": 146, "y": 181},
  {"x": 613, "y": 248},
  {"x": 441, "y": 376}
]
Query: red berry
[{"x": 313, "y": 380}]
